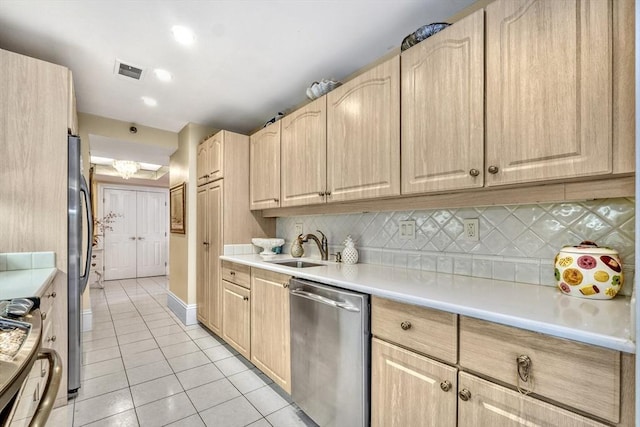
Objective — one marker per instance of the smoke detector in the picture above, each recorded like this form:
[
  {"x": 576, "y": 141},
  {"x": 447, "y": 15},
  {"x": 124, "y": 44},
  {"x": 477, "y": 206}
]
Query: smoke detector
[{"x": 129, "y": 71}]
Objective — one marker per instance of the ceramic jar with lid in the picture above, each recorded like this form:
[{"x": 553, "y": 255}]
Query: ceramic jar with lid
[{"x": 589, "y": 271}]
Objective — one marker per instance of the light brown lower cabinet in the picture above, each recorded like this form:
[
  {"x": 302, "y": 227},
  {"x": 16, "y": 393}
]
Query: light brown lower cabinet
[
  {"x": 270, "y": 346},
  {"x": 236, "y": 324},
  {"x": 483, "y": 403},
  {"x": 408, "y": 389}
]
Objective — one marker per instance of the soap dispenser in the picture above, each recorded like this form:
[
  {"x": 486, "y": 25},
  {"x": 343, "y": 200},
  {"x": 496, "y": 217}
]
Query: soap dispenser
[{"x": 350, "y": 253}]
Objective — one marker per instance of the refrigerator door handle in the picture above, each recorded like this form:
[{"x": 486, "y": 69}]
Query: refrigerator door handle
[{"x": 84, "y": 189}]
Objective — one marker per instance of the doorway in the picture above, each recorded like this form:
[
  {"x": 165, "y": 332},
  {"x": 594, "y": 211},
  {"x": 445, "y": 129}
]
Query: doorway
[{"x": 135, "y": 245}]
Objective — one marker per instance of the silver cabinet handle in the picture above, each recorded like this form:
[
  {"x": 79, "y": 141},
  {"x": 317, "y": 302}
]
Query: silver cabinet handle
[
  {"x": 445, "y": 385},
  {"x": 464, "y": 394},
  {"x": 474, "y": 172},
  {"x": 493, "y": 169}
]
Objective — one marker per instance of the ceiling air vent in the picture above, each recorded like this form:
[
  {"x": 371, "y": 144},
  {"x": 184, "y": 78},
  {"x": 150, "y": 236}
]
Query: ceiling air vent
[{"x": 127, "y": 70}]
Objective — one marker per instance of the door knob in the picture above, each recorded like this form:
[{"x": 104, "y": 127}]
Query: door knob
[
  {"x": 474, "y": 172},
  {"x": 132, "y": 238},
  {"x": 405, "y": 325},
  {"x": 140, "y": 238},
  {"x": 464, "y": 394},
  {"x": 493, "y": 170},
  {"x": 445, "y": 385}
]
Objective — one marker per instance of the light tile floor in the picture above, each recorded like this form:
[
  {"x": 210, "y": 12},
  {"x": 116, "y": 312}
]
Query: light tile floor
[{"x": 144, "y": 367}]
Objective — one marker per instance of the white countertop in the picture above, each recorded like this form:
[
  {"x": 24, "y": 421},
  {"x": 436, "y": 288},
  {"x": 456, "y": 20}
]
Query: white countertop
[
  {"x": 544, "y": 309},
  {"x": 25, "y": 283}
]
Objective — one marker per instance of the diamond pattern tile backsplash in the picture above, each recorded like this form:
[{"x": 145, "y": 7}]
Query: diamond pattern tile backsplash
[{"x": 517, "y": 243}]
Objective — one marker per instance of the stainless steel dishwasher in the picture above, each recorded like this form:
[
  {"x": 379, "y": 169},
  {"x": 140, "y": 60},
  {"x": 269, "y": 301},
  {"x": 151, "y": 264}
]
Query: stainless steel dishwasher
[{"x": 330, "y": 341}]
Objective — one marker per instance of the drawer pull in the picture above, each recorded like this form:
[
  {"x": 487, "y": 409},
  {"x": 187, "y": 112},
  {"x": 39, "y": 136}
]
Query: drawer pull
[
  {"x": 445, "y": 385},
  {"x": 245, "y": 298},
  {"x": 51, "y": 295},
  {"x": 524, "y": 363},
  {"x": 52, "y": 339},
  {"x": 405, "y": 325},
  {"x": 43, "y": 315},
  {"x": 464, "y": 394},
  {"x": 285, "y": 285},
  {"x": 233, "y": 273}
]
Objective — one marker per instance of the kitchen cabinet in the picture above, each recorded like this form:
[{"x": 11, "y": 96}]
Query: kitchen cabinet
[
  {"x": 72, "y": 120},
  {"x": 270, "y": 326},
  {"x": 443, "y": 109},
  {"x": 482, "y": 403},
  {"x": 497, "y": 375},
  {"x": 209, "y": 297},
  {"x": 548, "y": 90},
  {"x": 223, "y": 218},
  {"x": 363, "y": 135},
  {"x": 236, "y": 309},
  {"x": 304, "y": 155},
  {"x": 408, "y": 389},
  {"x": 264, "y": 168},
  {"x": 210, "y": 159},
  {"x": 34, "y": 119}
]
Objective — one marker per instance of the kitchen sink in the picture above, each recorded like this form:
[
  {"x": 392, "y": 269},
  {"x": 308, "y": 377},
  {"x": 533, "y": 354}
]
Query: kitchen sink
[{"x": 296, "y": 264}]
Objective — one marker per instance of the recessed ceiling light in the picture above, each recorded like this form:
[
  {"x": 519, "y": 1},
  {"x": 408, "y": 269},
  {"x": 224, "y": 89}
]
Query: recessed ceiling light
[
  {"x": 162, "y": 75},
  {"x": 183, "y": 34},
  {"x": 149, "y": 101}
]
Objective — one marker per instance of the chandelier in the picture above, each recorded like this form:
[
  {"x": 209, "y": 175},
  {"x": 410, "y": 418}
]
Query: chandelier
[{"x": 126, "y": 168}]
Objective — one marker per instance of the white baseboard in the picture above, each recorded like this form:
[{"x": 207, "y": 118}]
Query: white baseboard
[
  {"x": 187, "y": 313},
  {"x": 87, "y": 320}
]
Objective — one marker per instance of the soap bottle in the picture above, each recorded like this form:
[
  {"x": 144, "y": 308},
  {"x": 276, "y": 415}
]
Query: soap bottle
[
  {"x": 350, "y": 253},
  {"x": 296, "y": 247}
]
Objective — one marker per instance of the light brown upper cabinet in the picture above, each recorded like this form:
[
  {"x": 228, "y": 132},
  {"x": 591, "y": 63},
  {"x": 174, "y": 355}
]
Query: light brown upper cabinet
[
  {"x": 210, "y": 159},
  {"x": 304, "y": 155},
  {"x": 363, "y": 135},
  {"x": 264, "y": 153},
  {"x": 443, "y": 109},
  {"x": 549, "y": 90}
]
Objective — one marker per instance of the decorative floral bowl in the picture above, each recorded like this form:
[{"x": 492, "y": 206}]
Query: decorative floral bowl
[
  {"x": 267, "y": 245},
  {"x": 589, "y": 271},
  {"x": 421, "y": 34}
]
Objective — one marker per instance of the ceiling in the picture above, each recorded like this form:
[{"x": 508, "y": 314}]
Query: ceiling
[{"x": 250, "y": 60}]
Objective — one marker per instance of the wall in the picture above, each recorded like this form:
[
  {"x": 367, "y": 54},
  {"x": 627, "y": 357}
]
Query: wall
[
  {"x": 517, "y": 243},
  {"x": 182, "y": 247}
]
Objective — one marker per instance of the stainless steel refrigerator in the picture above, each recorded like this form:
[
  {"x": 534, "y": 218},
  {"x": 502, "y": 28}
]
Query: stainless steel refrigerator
[{"x": 80, "y": 235}]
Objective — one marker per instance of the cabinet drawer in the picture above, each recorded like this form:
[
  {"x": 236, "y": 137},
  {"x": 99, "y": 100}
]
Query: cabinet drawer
[
  {"x": 488, "y": 404},
  {"x": 574, "y": 374},
  {"x": 237, "y": 273},
  {"x": 428, "y": 331}
]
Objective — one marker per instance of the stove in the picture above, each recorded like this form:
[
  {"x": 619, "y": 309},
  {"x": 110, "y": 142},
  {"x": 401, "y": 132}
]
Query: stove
[{"x": 20, "y": 337}]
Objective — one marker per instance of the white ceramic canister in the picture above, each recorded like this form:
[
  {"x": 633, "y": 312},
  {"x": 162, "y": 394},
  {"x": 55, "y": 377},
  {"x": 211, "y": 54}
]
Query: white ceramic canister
[{"x": 589, "y": 271}]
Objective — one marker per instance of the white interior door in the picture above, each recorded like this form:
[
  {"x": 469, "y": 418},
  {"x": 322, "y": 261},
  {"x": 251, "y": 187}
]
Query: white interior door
[
  {"x": 120, "y": 242},
  {"x": 152, "y": 233}
]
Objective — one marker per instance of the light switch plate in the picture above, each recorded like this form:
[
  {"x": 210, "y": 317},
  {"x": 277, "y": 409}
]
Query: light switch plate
[
  {"x": 299, "y": 229},
  {"x": 407, "y": 229}
]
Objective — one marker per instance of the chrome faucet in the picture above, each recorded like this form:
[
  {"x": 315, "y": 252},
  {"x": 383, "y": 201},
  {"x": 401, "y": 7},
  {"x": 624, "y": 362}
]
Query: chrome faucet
[{"x": 323, "y": 247}]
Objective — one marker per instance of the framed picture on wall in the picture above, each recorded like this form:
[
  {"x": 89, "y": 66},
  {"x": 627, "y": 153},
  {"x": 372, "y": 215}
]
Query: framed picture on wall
[{"x": 176, "y": 208}]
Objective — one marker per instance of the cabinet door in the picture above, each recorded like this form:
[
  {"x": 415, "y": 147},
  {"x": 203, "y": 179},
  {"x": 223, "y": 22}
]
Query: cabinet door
[
  {"x": 410, "y": 390},
  {"x": 202, "y": 164},
  {"x": 304, "y": 155},
  {"x": 215, "y": 147},
  {"x": 214, "y": 216},
  {"x": 482, "y": 403},
  {"x": 270, "y": 337},
  {"x": 549, "y": 89},
  {"x": 236, "y": 317},
  {"x": 264, "y": 165},
  {"x": 443, "y": 109},
  {"x": 363, "y": 135},
  {"x": 202, "y": 257}
]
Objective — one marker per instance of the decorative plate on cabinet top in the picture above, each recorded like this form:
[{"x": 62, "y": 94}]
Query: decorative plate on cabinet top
[
  {"x": 324, "y": 86},
  {"x": 422, "y": 33}
]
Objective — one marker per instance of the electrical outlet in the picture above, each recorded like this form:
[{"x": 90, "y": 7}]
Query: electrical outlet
[
  {"x": 299, "y": 229},
  {"x": 407, "y": 229},
  {"x": 471, "y": 229}
]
